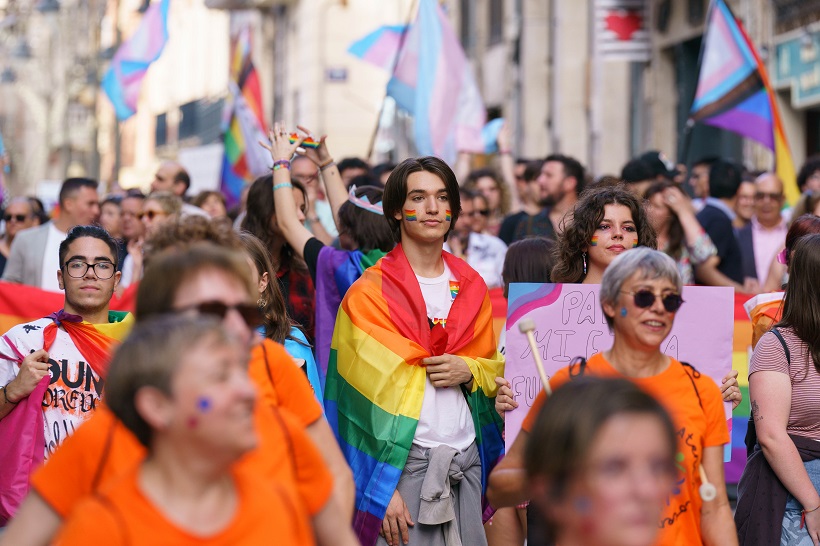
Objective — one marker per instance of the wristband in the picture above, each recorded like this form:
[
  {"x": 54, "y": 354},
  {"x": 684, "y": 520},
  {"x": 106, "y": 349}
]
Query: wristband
[
  {"x": 282, "y": 185},
  {"x": 6, "y": 397},
  {"x": 326, "y": 164},
  {"x": 803, "y": 516},
  {"x": 281, "y": 164}
]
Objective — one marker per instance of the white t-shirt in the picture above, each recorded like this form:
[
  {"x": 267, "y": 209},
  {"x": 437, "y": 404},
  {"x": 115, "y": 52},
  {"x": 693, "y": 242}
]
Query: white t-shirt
[
  {"x": 51, "y": 259},
  {"x": 75, "y": 390},
  {"x": 445, "y": 416}
]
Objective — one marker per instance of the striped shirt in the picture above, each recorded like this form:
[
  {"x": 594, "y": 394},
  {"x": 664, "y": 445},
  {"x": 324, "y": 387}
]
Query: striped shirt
[{"x": 805, "y": 379}]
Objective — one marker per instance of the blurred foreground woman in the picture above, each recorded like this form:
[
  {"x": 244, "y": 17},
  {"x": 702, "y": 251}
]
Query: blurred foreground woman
[
  {"x": 180, "y": 384},
  {"x": 609, "y": 481}
]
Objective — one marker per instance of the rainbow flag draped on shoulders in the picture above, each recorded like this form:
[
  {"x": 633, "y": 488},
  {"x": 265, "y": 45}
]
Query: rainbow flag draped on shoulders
[
  {"x": 336, "y": 271},
  {"x": 375, "y": 379}
]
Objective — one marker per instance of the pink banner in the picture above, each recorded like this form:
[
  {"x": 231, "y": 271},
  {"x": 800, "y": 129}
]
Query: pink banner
[{"x": 569, "y": 323}]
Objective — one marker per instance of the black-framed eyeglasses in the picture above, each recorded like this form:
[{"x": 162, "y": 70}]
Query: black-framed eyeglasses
[
  {"x": 78, "y": 268},
  {"x": 16, "y": 217},
  {"x": 250, "y": 313},
  {"x": 646, "y": 298}
]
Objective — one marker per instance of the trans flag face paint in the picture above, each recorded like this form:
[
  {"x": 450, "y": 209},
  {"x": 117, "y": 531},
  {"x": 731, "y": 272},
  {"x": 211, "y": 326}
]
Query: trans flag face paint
[
  {"x": 448, "y": 216},
  {"x": 410, "y": 215}
]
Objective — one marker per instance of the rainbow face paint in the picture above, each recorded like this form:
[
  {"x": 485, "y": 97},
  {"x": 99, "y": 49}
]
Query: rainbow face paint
[
  {"x": 448, "y": 216},
  {"x": 410, "y": 215},
  {"x": 594, "y": 241},
  {"x": 634, "y": 243}
]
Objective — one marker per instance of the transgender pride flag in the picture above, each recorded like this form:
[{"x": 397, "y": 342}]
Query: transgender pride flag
[
  {"x": 433, "y": 81},
  {"x": 123, "y": 80}
]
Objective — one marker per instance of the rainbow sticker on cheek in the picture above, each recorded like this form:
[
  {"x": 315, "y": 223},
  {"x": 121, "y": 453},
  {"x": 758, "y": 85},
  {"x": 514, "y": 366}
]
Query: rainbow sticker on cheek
[
  {"x": 410, "y": 215},
  {"x": 594, "y": 241},
  {"x": 448, "y": 216},
  {"x": 634, "y": 243}
]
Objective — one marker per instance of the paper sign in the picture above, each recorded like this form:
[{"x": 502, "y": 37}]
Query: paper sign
[{"x": 569, "y": 322}]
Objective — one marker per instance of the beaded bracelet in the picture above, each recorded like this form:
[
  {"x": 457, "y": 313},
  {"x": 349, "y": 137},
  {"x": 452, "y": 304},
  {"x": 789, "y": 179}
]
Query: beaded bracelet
[
  {"x": 281, "y": 164},
  {"x": 326, "y": 164},
  {"x": 282, "y": 185}
]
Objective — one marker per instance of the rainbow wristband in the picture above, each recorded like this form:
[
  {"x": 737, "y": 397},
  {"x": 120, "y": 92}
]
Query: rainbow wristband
[
  {"x": 282, "y": 185},
  {"x": 281, "y": 164}
]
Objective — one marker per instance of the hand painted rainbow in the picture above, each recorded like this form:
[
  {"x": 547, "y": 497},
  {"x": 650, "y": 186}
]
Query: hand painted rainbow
[
  {"x": 410, "y": 215},
  {"x": 453, "y": 289},
  {"x": 448, "y": 216},
  {"x": 307, "y": 143},
  {"x": 594, "y": 241}
]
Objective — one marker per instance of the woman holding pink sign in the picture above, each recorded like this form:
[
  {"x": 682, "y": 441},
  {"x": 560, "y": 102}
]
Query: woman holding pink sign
[{"x": 640, "y": 295}]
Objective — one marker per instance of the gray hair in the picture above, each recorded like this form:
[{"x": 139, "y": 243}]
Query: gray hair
[{"x": 652, "y": 264}]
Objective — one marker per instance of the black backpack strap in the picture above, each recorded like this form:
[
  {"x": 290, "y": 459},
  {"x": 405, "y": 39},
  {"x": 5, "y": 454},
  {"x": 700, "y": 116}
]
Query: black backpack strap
[
  {"x": 692, "y": 376},
  {"x": 577, "y": 367},
  {"x": 779, "y": 336}
]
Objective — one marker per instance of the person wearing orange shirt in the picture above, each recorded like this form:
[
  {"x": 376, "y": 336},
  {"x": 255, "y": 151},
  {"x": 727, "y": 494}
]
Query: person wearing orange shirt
[
  {"x": 640, "y": 293},
  {"x": 208, "y": 280},
  {"x": 180, "y": 384}
]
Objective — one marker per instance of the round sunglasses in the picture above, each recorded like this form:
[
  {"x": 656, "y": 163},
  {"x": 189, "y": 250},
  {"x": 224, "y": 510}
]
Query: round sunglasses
[{"x": 646, "y": 298}]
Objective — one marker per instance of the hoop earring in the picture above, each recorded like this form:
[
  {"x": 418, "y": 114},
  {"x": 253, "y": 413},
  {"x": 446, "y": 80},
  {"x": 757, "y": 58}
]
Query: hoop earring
[{"x": 584, "y": 257}]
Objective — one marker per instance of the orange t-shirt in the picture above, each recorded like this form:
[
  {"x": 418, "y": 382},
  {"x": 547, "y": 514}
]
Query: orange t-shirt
[
  {"x": 103, "y": 449},
  {"x": 678, "y": 390},
  {"x": 282, "y": 383},
  {"x": 122, "y": 515}
]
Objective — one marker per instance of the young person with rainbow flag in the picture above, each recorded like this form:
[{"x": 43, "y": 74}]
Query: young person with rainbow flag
[
  {"x": 52, "y": 370},
  {"x": 411, "y": 374}
]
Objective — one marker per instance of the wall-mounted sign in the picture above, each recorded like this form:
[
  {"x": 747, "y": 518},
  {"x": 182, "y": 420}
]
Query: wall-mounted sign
[{"x": 797, "y": 66}]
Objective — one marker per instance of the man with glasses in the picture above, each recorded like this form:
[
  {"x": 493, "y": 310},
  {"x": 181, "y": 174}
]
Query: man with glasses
[
  {"x": 33, "y": 256},
  {"x": 18, "y": 216},
  {"x": 765, "y": 235},
  {"x": 71, "y": 345},
  {"x": 483, "y": 252}
]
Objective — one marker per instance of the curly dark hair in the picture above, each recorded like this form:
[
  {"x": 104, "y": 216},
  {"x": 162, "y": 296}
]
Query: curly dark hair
[{"x": 581, "y": 225}]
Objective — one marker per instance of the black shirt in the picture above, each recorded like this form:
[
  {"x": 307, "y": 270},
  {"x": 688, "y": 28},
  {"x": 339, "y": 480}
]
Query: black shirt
[{"x": 719, "y": 228}]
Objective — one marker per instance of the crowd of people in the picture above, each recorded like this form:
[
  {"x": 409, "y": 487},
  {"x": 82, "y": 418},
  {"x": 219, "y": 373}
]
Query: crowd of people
[{"x": 319, "y": 364}]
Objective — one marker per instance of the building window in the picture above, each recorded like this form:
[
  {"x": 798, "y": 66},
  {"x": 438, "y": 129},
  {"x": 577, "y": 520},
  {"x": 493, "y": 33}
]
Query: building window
[{"x": 496, "y": 26}]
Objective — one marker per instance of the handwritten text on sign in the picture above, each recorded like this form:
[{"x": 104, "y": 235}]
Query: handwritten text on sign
[{"x": 569, "y": 322}]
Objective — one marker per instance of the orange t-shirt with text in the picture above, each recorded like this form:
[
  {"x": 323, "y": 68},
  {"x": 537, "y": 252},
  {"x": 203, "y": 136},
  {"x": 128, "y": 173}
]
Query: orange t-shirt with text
[
  {"x": 682, "y": 394},
  {"x": 122, "y": 515},
  {"x": 103, "y": 449}
]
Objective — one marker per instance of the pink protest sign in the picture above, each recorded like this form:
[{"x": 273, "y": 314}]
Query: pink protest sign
[{"x": 569, "y": 322}]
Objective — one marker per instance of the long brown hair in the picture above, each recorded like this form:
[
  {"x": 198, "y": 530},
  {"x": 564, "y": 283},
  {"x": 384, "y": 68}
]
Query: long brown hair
[
  {"x": 801, "y": 304},
  {"x": 675, "y": 235},
  {"x": 579, "y": 229},
  {"x": 271, "y": 303}
]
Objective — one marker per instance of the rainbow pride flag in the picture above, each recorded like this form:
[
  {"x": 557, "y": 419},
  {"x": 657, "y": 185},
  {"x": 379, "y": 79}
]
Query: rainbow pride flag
[
  {"x": 375, "y": 381},
  {"x": 244, "y": 123},
  {"x": 20, "y": 303},
  {"x": 734, "y": 92},
  {"x": 336, "y": 271},
  {"x": 741, "y": 353}
]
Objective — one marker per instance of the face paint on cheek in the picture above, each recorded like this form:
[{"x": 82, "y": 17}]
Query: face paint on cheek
[
  {"x": 204, "y": 404},
  {"x": 634, "y": 243},
  {"x": 192, "y": 422},
  {"x": 594, "y": 241},
  {"x": 583, "y": 508},
  {"x": 448, "y": 216},
  {"x": 410, "y": 215}
]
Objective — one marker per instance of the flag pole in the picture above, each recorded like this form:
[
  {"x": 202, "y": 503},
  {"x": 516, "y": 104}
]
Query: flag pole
[
  {"x": 690, "y": 122},
  {"x": 396, "y": 57}
]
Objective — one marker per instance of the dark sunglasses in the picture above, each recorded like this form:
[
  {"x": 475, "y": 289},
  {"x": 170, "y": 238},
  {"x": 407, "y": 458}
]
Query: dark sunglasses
[
  {"x": 482, "y": 212},
  {"x": 760, "y": 196},
  {"x": 151, "y": 214},
  {"x": 16, "y": 217},
  {"x": 645, "y": 299},
  {"x": 249, "y": 312}
]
